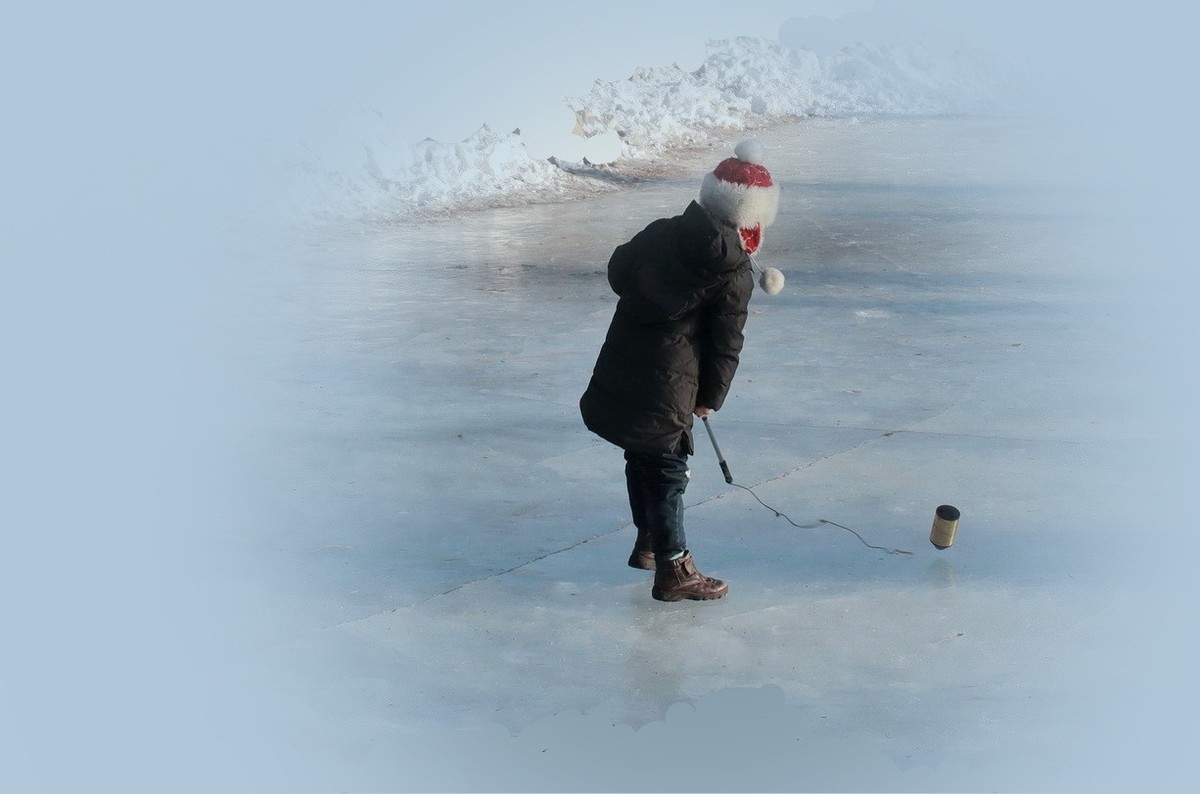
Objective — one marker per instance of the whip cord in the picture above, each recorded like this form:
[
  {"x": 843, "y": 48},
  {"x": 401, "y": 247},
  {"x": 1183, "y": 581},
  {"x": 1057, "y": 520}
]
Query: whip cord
[
  {"x": 778, "y": 513},
  {"x": 819, "y": 522}
]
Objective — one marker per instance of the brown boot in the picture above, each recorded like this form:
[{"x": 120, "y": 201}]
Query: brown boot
[
  {"x": 643, "y": 554},
  {"x": 680, "y": 579},
  {"x": 642, "y": 558}
]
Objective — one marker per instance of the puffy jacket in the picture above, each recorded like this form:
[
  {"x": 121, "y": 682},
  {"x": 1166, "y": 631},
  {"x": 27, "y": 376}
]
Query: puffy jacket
[{"x": 676, "y": 335}]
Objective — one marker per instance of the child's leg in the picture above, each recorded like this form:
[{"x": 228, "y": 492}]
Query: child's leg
[
  {"x": 637, "y": 505},
  {"x": 656, "y": 485}
]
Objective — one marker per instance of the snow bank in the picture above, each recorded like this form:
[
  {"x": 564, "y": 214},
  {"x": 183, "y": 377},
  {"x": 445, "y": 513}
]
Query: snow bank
[
  {"x": 750, "y": 82},
  {"x": 742, "y": 84},
  {"x": 485, "y": 169},
  {"x": 432, "y": 178}
]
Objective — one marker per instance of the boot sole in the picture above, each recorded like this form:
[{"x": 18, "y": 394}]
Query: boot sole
[{"x": 658, "y": 596}]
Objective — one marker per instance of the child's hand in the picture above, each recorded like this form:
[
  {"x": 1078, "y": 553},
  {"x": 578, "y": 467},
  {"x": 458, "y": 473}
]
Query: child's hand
[{"x": 702, "y": 412}]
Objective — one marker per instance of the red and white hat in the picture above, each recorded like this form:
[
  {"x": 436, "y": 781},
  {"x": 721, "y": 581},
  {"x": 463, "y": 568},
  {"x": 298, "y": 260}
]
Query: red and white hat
[{"x": 740, "y": 192}]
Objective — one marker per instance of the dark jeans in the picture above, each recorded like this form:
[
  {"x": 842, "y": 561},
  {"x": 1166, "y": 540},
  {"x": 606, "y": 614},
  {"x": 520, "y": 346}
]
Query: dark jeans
[{"x": 656, "y": 484}]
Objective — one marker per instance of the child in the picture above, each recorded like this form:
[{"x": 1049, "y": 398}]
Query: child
[{"x": 672, "y": 350}]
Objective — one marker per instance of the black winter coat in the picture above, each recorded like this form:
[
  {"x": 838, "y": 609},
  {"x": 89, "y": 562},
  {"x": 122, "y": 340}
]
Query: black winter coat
[{"x": 675, "y": 338}]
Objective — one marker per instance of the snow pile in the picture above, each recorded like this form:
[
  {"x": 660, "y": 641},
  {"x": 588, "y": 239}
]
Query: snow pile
[
  {"x": 742, "y": 84},
  {"x": 750, "y": 82},
  {"x": 479, "y": 171},
  {"x": 431, "y": 178}
]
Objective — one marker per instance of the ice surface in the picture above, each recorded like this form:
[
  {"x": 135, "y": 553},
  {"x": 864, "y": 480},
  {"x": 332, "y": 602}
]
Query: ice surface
[{"x": 436, "y": 588}]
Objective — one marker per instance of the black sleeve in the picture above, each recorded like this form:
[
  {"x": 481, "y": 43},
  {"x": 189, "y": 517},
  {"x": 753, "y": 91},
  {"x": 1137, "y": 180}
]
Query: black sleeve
[{"x": 720, "y": 339}]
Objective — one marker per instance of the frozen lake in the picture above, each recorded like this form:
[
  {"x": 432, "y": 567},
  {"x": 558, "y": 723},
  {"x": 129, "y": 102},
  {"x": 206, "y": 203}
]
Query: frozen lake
[{"x": 431, "y": 590}]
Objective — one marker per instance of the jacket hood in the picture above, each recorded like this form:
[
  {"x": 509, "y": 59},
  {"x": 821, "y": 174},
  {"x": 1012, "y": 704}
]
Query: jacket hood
[
  {"x": 713, "y": 246},
  {"x": 665, "y": 271}
]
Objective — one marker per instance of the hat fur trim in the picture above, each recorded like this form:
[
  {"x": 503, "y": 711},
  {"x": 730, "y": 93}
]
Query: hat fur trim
[{"x": 742, "y": 206}]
